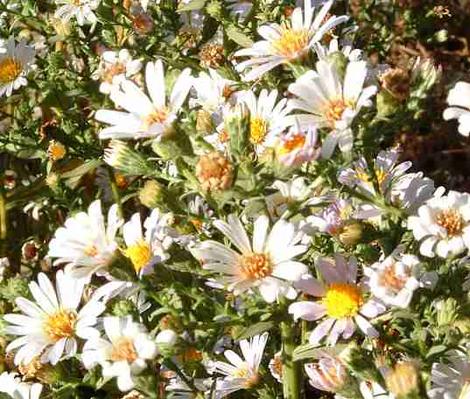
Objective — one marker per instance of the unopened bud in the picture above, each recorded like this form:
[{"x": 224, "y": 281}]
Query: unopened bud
[
  {"x": 204, "y": 124},
  {"x": 403, "y": 380},
  {"x": 238, "y": 125},
  {"x": 387, "y": 104},
  {"x": 339, "y": 61},
  {"x": 152, "y": 194},
  {"x": 351, "y": 233}
]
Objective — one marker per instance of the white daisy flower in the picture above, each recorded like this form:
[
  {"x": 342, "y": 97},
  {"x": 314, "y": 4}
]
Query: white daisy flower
[
  {"x": 123, "y": 354},
  {"x": 330, "y": 102},
  {"x": 394, "y": 279},
  {"x": 290, "y": 192},
  {"x": 241, "y": 373},
  {"x": 82, "y": 10},
  {"x": 267, "y": 119},
  {"x": 50, "y": 327},
  {"x": 213, "y": 92},
  {"x": 145, "y": 250},
  {"x": 16, "y": 61},
  {"x": 85, "y": 244},
  {"x": 289, "y": 41},
  {"x": 451, "y": 380},
  {"x": 297, "y": 146},
  {"x": 343, "y": 303},
  {"x": 145, "y": 116},
  {"x": 323, "y": 52},
  {"x": 443, "y": 225},
  {"x": 267, "y": 264},
  {"x": 459, "y": 101},
  {"x": 11, "y": 384},
  {"x": 114, "y": 68}
]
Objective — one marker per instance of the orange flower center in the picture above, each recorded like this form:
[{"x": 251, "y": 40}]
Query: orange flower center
[
  {"x": 451, "y": 220},
  {"x": 334, "y": 110},
  {"x": 124, "y": 350},
  {"x": 60, "y": 324},
  {"x": 157, "y": 116},
  {"x": 390, "y": 279},
  {"x": 255, "y": 266},
  {"x": 294, "y": 142},
  {"x": 112, "y": 71},
  {"x": 10, "y": 69}
]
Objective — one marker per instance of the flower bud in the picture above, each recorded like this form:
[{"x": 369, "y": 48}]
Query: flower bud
[
  {"x": 386, "y": 104},
  {"x": 211, "y": 55},
  {"x": 447, "y": 312},
  {"x": 238, "y": 126},
  {"x": 339, "y": 61},
  {"x": 166, "y": 337},
  {"x": 152, "y": 194},
  {"x": 351, "y": 233},
  {"x": 215, "y": 9},
  {"x": 396, "y": 81},
  {"x": 403, "y": 380},
  {"x": 142, "y": 23},
  {"x": 121, "y": 157},
  {"x": 124, "y": 307},
  {"x": 214, "y": 172},
  {"x": 204, "y": 124},
  {"x": 328, "y": 374}
]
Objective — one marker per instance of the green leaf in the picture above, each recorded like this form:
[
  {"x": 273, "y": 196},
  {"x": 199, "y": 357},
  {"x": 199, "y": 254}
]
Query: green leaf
[
  {"x": 435, "y": 350},
  {"x": 192, "y": 5},
  {"x": 238, "y": 36},
  {"x": 310, "y": 351},
  {"x": 255, "y": 329}
]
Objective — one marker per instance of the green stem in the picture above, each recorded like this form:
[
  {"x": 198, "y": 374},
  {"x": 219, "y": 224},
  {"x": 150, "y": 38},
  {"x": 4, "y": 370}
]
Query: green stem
[
  {"x": 115, "y": 191},
  {"x": 291, "y": 376},
  {"x": 3, "y": 224}
]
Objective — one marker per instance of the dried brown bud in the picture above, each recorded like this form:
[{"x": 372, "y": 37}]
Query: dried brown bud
[
  {"x": 397, "y": 82},
  {"x": 211, "y": 55},
  {"x": 214, "y": 172}
]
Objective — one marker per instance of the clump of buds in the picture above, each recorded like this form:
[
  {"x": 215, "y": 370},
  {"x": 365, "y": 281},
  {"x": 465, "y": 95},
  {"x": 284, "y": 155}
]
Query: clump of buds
[{"x": 214, "y": 172}]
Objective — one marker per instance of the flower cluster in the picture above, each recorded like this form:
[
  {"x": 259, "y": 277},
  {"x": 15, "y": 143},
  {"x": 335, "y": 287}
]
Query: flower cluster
[{"x": 207, "y": 202}]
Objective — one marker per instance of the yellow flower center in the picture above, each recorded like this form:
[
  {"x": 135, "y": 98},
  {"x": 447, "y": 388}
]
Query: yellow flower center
[
  {"x": 157, "y": 116},
  {"x": 91, "y": 250},
  {"x": 334, "y": 110},
  {"x": 343, "y": 300},
  {"x": 294, "y": 142},
  {"x": 123, "y": 350},
  {"x": 255, "y": 266},
  {"x": 451, "y": 220},
  {"x": 10, "y": 69},
  {"x": 380, "y": 175},
  {"x": 140, "y": 255},
  {"x": 291, "y": 44},
  {"x": 60, "y": 324},
  {"x": 258, "y": 130},
  {"x": 244, "y": 372},
  {"x": 277, "y": 365}
]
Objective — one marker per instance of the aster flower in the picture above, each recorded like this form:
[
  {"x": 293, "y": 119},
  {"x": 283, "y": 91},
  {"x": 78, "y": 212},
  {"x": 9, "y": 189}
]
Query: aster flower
[
  {"x": 459, "y": 101},
  {"x": 85, "y": 244},
  {"x": 333, "y": 218},
  {"x": 330, "y": 102},
  {"x": 267, "y": 119},
  {"x": 394, "y": 279},
  {"x": 343, "y": 305},
  {"x": 297, "y": 146},
  {"x": 451, "y": 380},
  {"x": 82, "y": 10},
  {"x": 143, "y": 116},
  {"x": 180, "y": 390},
  {"x": 123, "y": 354},
  {"x": 328, "y": 374},
  {"x": 11, "y": 384},
  {"x": 288, "y": 42},
  {"x": 241, "y": 373},
  {"x": 443, "y": 225},
  {"x": 290, "y": 192},
  {"x": 373, "y": 390},
  {"x": 51, "y": 326},
  {"x": 16, "y": 61},
  {"x": 267, "y": 264},
  {"x": 114, "y": 68}
]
